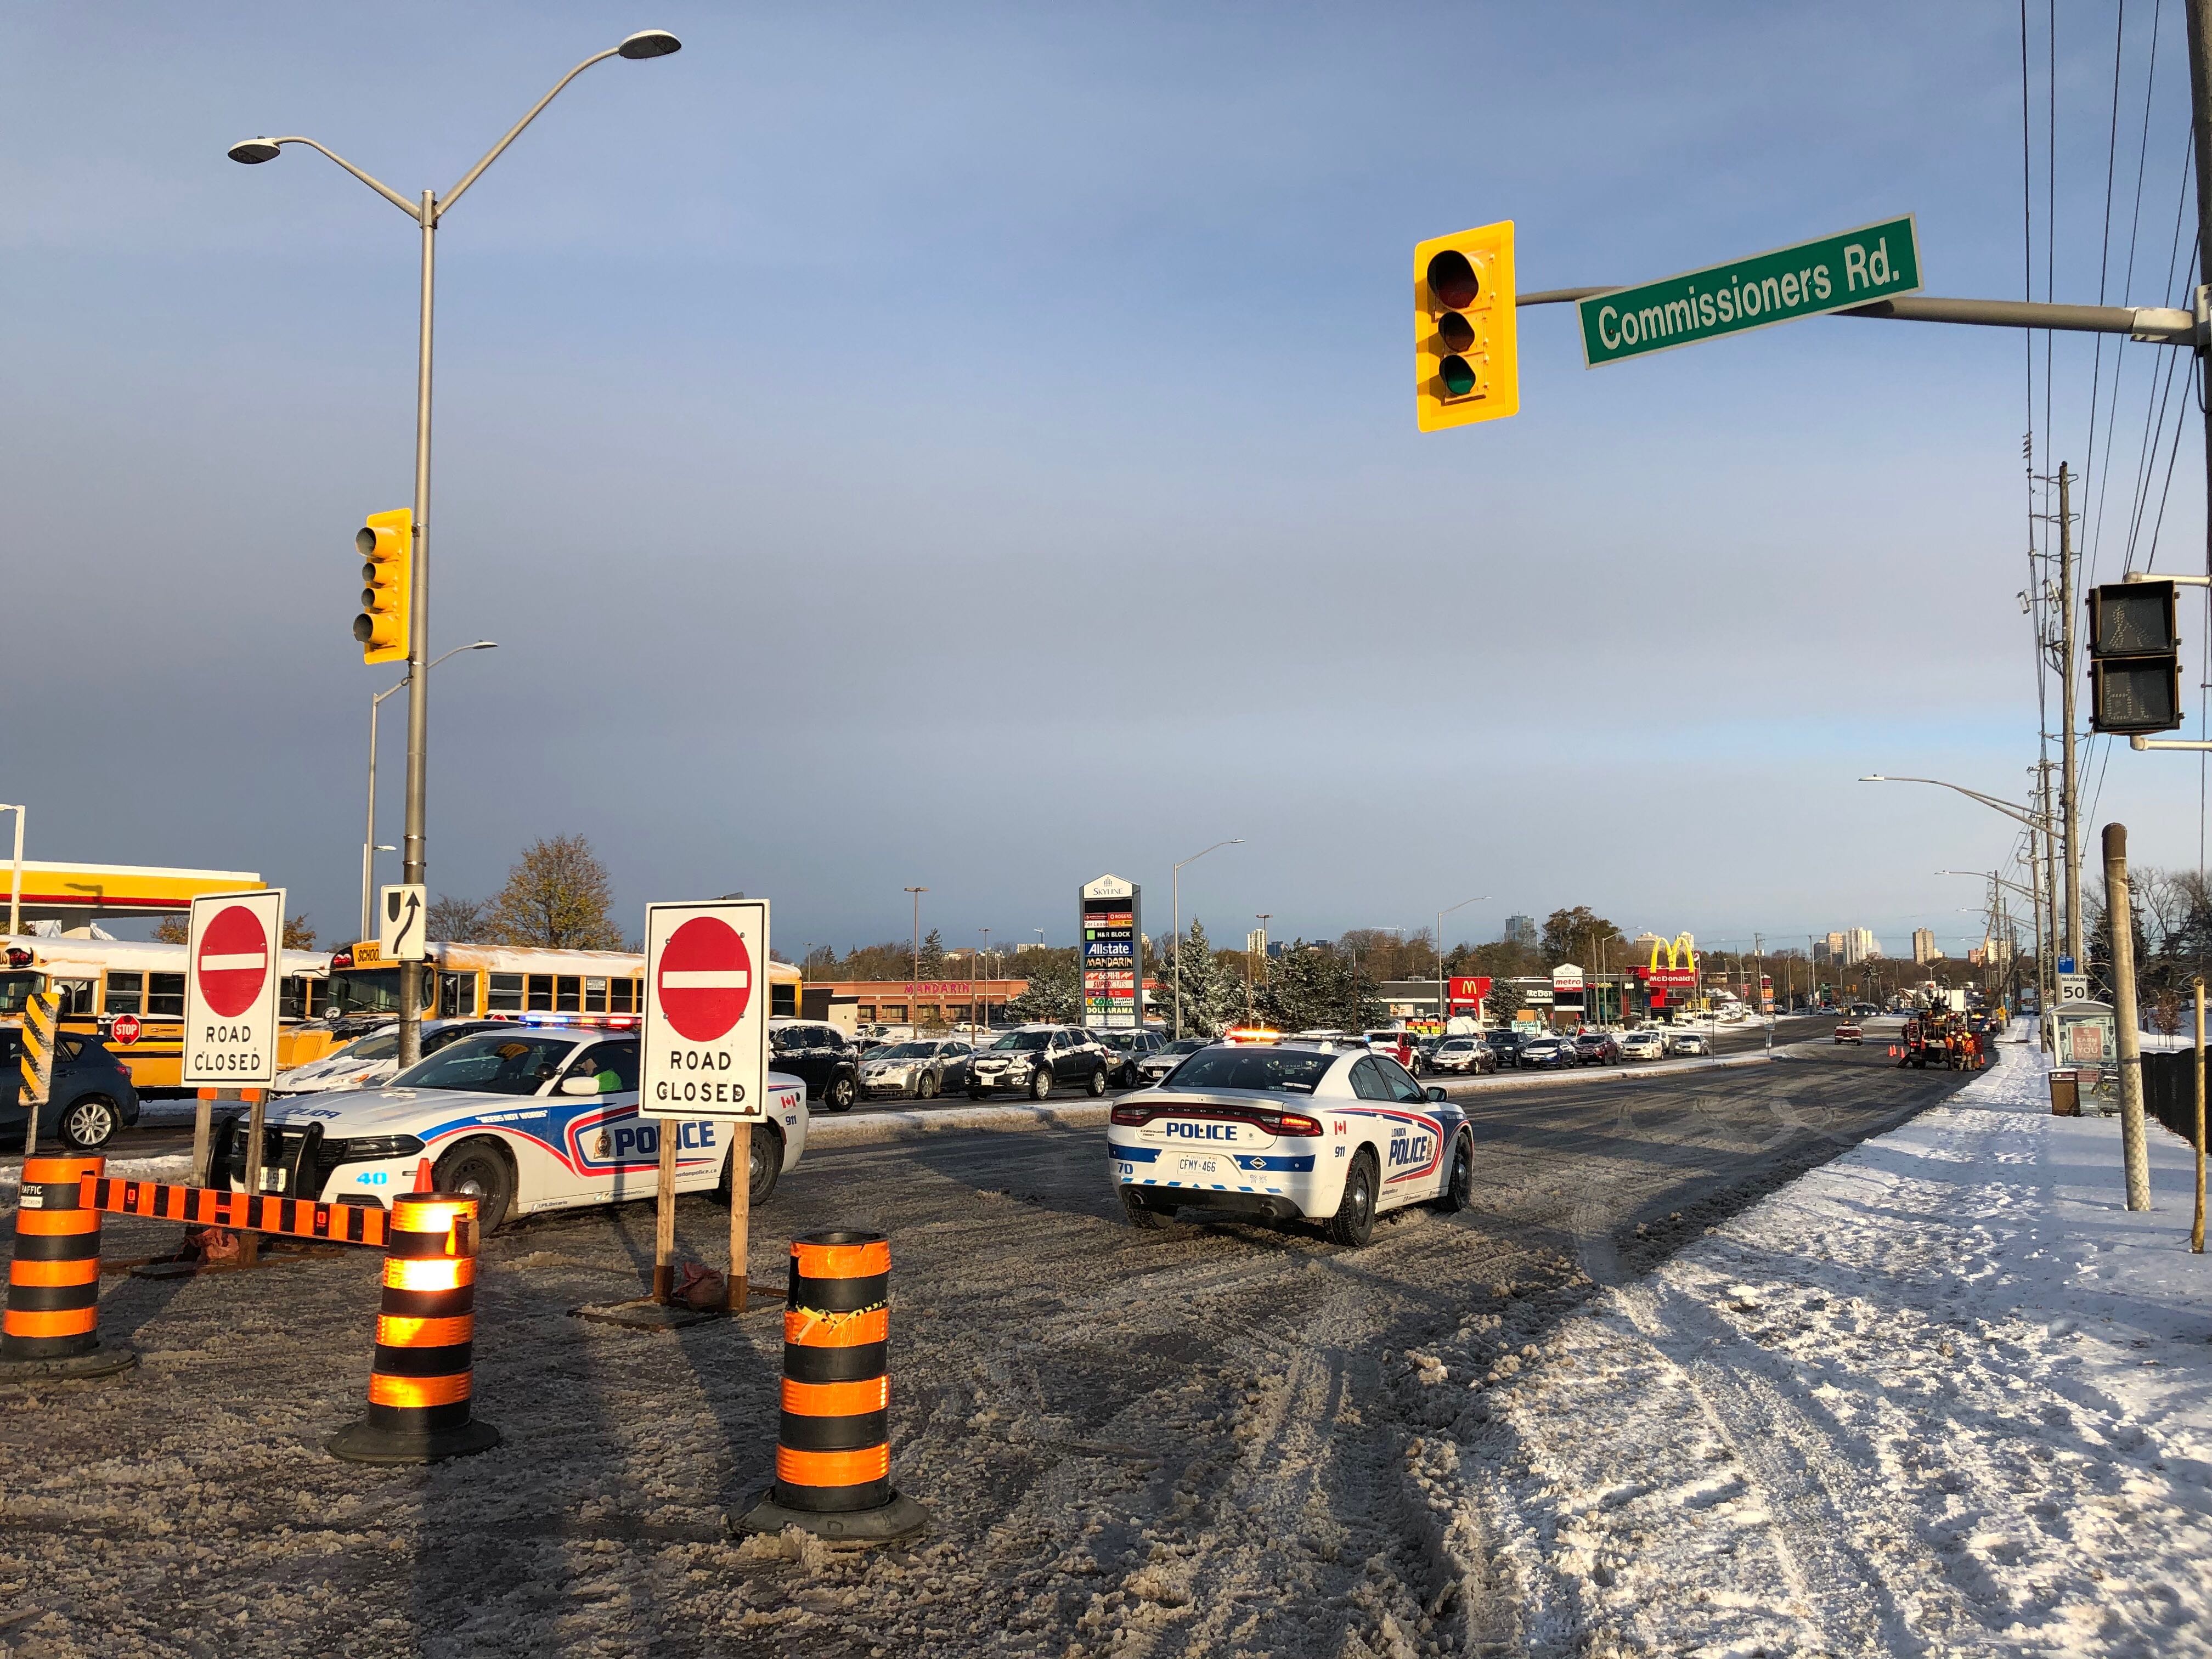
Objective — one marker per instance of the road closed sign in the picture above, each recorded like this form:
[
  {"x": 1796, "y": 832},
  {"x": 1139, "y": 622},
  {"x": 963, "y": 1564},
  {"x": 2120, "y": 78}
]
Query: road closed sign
[
  {"x": 234, "y": 967},
  {"x": 706, "y": 1010}
]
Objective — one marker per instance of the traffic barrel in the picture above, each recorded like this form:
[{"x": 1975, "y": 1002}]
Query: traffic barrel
[
  {"x": 421, "y": 1377},
  {"x": 52, "y": 1326},
  {"x": 833, "y": 1454}
]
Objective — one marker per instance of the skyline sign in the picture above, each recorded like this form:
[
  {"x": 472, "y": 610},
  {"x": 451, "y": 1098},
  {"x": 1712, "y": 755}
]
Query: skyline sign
[
  {"x": 1808, "y": 279},
  {"x": 1109, "y": 938}
]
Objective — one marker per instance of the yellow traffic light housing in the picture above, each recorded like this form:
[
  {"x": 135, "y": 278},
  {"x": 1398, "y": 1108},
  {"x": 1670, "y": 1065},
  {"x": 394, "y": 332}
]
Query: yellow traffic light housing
[
  {"x": 1466, "y": 363},
  {"x": 386, "y": 542}
]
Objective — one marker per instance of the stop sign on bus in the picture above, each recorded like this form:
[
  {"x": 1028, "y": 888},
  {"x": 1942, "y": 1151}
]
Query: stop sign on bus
[
  {"x": 234, "y": 965},
  {"x": 706, "y": 1010}
]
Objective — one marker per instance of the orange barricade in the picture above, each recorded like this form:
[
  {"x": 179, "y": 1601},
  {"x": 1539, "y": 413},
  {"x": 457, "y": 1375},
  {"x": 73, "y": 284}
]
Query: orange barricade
[
  {"x": 51, "y": 1327},
  {"x": 422, "y": 1378},
  {"x": 833, "y": 1454},
  {"x": 206, "y": 1207}
]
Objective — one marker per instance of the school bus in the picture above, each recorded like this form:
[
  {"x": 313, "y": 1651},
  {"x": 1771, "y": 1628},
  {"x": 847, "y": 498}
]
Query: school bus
[{"x": 131, "y": 996}]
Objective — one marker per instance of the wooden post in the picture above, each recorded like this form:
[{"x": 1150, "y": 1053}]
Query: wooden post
[
  {"x": 249, "y": 1242},
  {"x": 663, "y": 1227},
  {"x": 2120, "y": 918},
  {"x": 2196, "y": 1226},
  {"x": 741, "y": 1213},
  {"x": 204, "y": 1135}
]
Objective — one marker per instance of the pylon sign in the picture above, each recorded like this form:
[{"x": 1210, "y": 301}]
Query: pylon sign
[
  {"x": 706, "y": 1019},
  {"x": 234, "y": 967}
]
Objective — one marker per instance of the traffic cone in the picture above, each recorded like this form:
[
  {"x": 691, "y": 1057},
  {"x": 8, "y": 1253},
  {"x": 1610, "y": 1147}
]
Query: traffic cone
[{"x": 52, "y": 1326}]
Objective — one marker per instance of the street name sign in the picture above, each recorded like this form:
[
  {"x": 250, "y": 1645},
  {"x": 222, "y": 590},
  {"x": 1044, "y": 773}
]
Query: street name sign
[
  {"x": 1834, "y": 273},
  {"x": 705, "y": 1051},
  {"x": 402, "y": 923},
  {"x": 235, "y": 963}
]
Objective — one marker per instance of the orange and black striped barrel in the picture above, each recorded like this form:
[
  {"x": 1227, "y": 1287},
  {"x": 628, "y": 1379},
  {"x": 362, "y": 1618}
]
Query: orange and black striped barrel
[
  {"x": 422, "y": 1379},
  {"x": 833, "y": 1448},
  {"x": 53, "y": 1280}
]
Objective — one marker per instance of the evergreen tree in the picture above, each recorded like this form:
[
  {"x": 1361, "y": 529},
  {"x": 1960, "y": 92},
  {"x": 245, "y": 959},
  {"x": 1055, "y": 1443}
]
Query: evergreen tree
[
  {"x": 932, "y": 955},
  {"x": 1314, "y": 986},
  {"x": 1054, "y": 996},
  {"x": 1212, "y": 995}
]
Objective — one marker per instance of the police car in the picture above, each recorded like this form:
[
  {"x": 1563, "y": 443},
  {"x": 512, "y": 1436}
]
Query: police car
[
  {"x": 1318, "y": 1131},
  {"x": 526, "y": 1117}
]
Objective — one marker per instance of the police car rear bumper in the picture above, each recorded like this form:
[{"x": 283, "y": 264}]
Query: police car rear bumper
[{"x": 1269, "y": 1207}]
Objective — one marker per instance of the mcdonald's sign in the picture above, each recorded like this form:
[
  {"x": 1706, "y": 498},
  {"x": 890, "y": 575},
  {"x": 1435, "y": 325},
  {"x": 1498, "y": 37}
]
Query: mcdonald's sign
[{"x": 1680, "y": 971}]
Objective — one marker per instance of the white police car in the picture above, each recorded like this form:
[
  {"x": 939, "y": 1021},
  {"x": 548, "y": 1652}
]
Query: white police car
[
  {"x": 526, "y": 1117},
  {"x": 1318, "y": 1131}
]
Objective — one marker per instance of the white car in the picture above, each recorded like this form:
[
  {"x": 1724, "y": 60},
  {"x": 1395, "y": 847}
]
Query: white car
[
  {"x": 1643, "y": 1045},
  {"x": 1289, "y": 1131},
  {"x": 526, "y": 1117},
  {"x": 371, "y": 1060},
  {"x": 920, "y": 1070},
  {"x": 1688, "y": 1042}
]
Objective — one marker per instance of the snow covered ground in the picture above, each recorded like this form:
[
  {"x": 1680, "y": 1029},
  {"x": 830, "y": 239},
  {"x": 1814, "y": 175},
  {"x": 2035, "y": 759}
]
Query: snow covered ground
[{"x": 1942, "y": 1395}]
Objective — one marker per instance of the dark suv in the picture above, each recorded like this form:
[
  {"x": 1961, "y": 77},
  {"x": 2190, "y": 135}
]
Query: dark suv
[
  {"x": 1036, "y": 1057},
  {"x": 1506, "y": 1045},
  {"x": 820, "y": 1057},
  {"x": 90, "y": 1097}
]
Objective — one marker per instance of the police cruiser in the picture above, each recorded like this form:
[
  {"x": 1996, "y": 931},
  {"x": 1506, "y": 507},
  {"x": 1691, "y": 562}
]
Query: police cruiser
[
  {"x": 1312, "y": 1130},
  {"x": 525, "y": 1117}
]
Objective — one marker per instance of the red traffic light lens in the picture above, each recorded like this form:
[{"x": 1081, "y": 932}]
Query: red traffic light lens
[{"x": 1453, "y": 281}]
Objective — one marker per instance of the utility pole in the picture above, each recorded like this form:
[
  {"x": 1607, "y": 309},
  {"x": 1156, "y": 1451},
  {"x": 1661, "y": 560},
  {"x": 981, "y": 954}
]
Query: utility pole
[
  {"x": 913, "y": 991},
  {"x": 2200, "y": 121},
  {"x": 2120, "y": 914},
  {"x": 2066, "y": 782}
]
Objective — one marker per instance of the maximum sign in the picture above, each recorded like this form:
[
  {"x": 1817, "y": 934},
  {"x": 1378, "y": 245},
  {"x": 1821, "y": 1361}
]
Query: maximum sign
[
  {"x": 234, "y": 965},
  {"x": 706, "y": 1010}
]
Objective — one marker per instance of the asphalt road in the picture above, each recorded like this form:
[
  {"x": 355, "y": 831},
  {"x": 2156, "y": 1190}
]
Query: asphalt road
[{"x": 1190, "y": 1444}]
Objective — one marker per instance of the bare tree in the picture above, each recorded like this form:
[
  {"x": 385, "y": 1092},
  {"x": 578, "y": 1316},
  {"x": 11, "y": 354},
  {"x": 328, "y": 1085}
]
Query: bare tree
[
  {"x": 557, "y": 897},
  {"x": 457, "y": 921}
]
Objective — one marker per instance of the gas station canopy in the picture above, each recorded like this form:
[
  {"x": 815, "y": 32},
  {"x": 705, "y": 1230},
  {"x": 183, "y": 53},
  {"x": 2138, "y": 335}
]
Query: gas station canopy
[{"x": 77, "y": 893}]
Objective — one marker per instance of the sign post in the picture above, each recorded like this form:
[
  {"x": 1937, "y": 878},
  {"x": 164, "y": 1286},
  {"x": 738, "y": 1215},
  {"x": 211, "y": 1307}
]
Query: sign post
[
  {"x": 705, "y": 1054},
  {"x": 1110, "y": 954},
  {"x": 234, "y": 962}
]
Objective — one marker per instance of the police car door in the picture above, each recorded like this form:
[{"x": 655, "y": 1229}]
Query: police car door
[
  {"x": 1412, "y": 1163},
  {"x": 596, "y": 1122}
]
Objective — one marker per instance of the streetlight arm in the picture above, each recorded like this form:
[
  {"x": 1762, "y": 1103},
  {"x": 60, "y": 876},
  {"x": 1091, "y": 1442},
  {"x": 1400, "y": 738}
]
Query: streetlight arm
[
  {"x": 454, "y": 195},
  {"x": 1216, "y": 847},
  {"x": 409, "y": 209},
  {"x": 2033, "y": 820}
]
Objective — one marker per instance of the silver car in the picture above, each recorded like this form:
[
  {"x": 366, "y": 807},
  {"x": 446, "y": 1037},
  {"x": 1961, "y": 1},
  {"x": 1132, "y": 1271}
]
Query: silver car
[{"x": 920, "y": 1070}]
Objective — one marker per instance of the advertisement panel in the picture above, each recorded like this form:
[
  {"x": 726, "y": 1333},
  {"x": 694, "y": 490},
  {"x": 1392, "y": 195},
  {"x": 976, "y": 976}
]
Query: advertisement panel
[
  {"x": 1467, "y": 990},
  {"x": 1567, "y": 986},
  {"x": 1110, "y": 935}
]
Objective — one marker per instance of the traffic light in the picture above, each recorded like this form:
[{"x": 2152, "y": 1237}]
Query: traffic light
[
  {"x": 387, "y": 583},
  {"x": 1467, "y": 364},
  {"x": 2134, "y": 658}
]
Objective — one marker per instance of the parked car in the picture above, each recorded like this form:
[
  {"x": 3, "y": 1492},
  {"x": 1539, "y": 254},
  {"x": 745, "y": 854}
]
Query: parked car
[
  {"x": 1132, "y": 1049},
  {"x": 1506, "y": 1045},
  {"x": 1036, "y": 1058},
  {"x": 1597, "y": 1048},
  {"x": 368, "y": 1061},
  {"x": 1687, "y": 1040},
  {"x": 1849, "y": 1031},
  {"x": 818, "y": 1055},
  {"x": 1545, "y": 1053},
  {"x": 920, "y": 1070},
  {"x": 88, "y": 1097},
  {"x": 1643, "y": 1045},
  {"x": 1154, "y": 1067},
  {"x": 1465, "y": 1055}
]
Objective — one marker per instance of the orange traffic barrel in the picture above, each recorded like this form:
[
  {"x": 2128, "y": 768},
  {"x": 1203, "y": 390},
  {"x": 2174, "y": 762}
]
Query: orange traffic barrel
[
  {"x": 421, "y": 1377},
  {"x": 833, "y": 1454},
  {"x": 51, "y": 1327}
]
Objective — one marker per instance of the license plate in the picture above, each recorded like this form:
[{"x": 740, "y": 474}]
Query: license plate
[
  {"x": 272, "y": 1181},
  {"x": 1198, "y": 1165}
]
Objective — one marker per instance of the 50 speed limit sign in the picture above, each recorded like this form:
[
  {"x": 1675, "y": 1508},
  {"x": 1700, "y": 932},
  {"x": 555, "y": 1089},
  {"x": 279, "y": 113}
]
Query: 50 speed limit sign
[
  {"x": 234, "y": 966},
  {"x": 706, "y": 1010}
]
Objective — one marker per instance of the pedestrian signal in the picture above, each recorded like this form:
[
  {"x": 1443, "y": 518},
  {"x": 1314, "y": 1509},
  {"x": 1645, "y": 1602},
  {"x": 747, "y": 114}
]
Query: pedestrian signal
[
  {"x": 2134, "y": 658},
  {"x": 1466, "y": 365},
  {"x": 386, "y": 542}
]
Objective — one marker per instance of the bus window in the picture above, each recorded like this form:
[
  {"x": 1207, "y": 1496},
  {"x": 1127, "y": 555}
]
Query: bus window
[
  {"x": 541, "y": 993},
  {"x": 291, "y": 997},
  {"x": 595, "y": 996},
  {"x": 457, "y": 994},
  {"x": 165, "y": 996},
  {"x": 503, "y": 994},
  {"x": 618, "y": 998},
  {"x": 126, "y": 992},
  {"x": 567, "y": 997}
]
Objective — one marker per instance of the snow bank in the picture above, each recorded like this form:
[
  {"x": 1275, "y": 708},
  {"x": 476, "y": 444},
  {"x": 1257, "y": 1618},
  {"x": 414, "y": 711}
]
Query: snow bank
[
  {"x": 171, "y": 1166},
  {"x": 1944, "y": 1393}
]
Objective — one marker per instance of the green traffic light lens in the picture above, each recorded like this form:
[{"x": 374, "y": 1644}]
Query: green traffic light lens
[
  {"x": 1458, "y": 376},
  {"x": 1455, "y": 331},
  {"x": 1453, "y": 280}
]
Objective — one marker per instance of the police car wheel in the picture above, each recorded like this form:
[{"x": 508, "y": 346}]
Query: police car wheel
[
  {"x": 1097, "y": 1085},
  {"x": 88, "y": 1121},
  {"x": 767, "y": 1164},
  {"x": 1353, "y": 1223},
  {"x": 1459, "y": 1185},
  {"x": 480, "y": 1169},
  {"x": 1041, "y": 1082},
  {"x": 1143, "y": 1216}
]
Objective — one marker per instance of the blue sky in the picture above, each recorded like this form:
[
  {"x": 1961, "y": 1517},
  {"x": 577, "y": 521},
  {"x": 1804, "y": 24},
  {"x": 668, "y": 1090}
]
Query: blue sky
[{"x": 974, "y": 448}]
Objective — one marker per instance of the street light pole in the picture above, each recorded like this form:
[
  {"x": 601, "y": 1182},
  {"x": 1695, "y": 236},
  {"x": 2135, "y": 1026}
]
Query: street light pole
[
  {"x": 426, "y": 212},
  {"x": 16, "y": 880},
  {"x": 369, "y": 848},
  {"x": 913, "y": 991},
  {"x": 1175, "y": 889},
  {"x": 1443, "y": 1008}
]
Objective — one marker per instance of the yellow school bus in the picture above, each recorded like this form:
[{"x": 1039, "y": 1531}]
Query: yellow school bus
[{"x": 131, "y": 996}]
